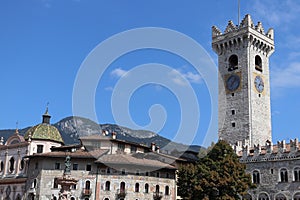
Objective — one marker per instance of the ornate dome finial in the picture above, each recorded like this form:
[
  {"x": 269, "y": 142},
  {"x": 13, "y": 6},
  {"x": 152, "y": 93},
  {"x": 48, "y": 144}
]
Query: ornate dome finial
[{"x": 17, "y": 129}]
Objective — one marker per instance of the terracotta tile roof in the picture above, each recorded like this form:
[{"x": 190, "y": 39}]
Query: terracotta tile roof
[
  {"x": 128, "y": 159},
  {"x": 95, "y": 137},
  {"x": 101, "y": 137},
  {"x": 77, "y": 154},
  {"x": 167, "y": 156}
]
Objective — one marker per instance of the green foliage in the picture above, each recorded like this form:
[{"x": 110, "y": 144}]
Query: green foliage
[{"x": 218, "y": 175}]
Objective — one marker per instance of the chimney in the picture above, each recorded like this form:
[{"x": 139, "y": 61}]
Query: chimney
[
  {"x": 114, "y": 135},
  {"x": 1, "y": 141},
  {"x": 157, "y": 149},
  {"x": 153, "y": 146}
]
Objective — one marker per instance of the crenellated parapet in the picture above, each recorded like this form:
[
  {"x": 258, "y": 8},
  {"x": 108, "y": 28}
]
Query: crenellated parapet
[
  {"x": 269, "y": 152},
  {"x": 246, "y": 34}
]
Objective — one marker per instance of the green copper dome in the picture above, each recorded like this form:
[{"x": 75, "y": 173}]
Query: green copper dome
[{"x": 44, "y": 131}]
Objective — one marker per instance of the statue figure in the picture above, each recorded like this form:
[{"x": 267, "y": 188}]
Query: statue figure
[{"x": 67, "y": 165}]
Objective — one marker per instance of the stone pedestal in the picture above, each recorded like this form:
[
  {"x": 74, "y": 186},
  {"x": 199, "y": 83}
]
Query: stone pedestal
[{"x": 66, "y": 182}]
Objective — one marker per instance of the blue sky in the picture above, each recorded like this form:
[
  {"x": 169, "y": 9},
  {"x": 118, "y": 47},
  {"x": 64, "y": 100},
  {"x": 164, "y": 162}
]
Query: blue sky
[{"x": 44, "y": 42}]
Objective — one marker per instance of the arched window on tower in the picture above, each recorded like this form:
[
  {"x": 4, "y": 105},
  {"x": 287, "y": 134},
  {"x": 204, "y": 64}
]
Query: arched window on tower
[
  {"x": 258, "y": 63},
  {"x": 256, "y": 177},
  {"x": 283, "y": 175},
  {"x": 233, "y": 62}
]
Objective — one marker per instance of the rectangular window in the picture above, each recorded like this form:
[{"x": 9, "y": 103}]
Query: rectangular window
[
  {"x": 40, "y": 148},
  {"x": 75, "y": 166},
  {"x": 133, "y": 149},
  {"x": 57, "y": 166},
  {"x": 233, "y": 112},
  {"x": 121, "y": 147},
  {"x": 73, "y": 187},
  {"x": 123, "y": 172},
  {"x": 55, "y": 183},
  {"x": 88, "y": 167},
  {"x": 233, "y": 124},
  {"x": 167, "y": 175}
]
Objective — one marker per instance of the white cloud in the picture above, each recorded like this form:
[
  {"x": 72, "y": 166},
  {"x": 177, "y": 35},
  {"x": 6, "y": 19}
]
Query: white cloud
[
  {"x": 179, "y": 77},
  {"x": 194, "y": 78},
  {"x": 119, "y": 72},
  {"x": 286, "y": 77},
  {"x": 275, "y": 12}
]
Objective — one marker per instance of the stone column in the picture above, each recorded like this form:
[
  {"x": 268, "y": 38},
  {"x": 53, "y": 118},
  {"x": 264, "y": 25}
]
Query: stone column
[{"x": 5, "y": 163}]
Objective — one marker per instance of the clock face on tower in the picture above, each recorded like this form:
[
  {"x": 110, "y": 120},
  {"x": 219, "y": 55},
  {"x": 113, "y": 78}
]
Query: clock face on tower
[
  {"x": 259, "y": 84},
  {"x": 233, "y": 82}
]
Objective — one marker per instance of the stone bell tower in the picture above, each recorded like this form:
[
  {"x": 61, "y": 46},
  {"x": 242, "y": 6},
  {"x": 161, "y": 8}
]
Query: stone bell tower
[{"x": 243, "y": 61}]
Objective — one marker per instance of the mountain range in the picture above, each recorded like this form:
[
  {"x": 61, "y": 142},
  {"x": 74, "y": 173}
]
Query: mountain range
[{"x": 71, "y": 128}]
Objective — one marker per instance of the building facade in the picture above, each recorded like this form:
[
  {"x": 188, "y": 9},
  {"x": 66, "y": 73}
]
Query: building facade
[
  {"x": 105, "y": 168},
  {"x": 13, "y": 156}
]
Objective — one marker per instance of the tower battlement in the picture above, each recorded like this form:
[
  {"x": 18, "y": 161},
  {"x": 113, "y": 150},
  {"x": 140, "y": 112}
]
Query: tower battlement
[
  {"x": 258, "y": 153},
  {"x": 242, "y": 35}
]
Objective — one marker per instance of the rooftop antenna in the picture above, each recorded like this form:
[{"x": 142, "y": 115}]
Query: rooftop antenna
[{"x": 239, "y": 8}]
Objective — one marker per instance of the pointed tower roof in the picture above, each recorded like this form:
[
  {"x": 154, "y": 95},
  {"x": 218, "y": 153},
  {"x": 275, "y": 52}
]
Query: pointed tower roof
[{"x": 46, "y": 116}]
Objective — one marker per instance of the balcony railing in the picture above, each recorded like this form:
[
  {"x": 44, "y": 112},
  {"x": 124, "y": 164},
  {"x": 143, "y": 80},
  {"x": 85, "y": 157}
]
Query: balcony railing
[
  {"x": 121, "y": 193},
  {"x": 86, "y": 192},
  {"x": 157, "y": 195}
]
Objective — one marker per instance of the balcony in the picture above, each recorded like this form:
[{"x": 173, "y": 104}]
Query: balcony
[
  {"x": 157, "y": 195},
  {"x": 86, "y": 192},
  {"x": 121, "y": 193}
]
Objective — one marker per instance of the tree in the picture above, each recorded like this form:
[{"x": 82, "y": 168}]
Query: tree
[{"x": 218, "y": 175}]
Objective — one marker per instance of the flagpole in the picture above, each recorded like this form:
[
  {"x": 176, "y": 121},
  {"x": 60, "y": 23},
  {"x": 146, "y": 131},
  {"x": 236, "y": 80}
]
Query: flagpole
[{"x": 239, "y": 1}]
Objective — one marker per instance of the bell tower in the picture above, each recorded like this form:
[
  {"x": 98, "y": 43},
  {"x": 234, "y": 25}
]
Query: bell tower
[{"x": 243, "y": 60}]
